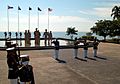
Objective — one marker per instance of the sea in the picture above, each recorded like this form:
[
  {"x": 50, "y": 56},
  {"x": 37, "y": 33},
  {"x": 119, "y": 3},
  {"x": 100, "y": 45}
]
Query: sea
[{"x": 55, "y": 35}]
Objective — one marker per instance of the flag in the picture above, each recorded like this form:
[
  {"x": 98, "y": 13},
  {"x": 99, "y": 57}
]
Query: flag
[
  {"x": 30, "y": 8},
  {"x": 10, "y": 7},
  {"x": 19, "y": 8},
  {"x": 49, "y": 9},
  {"x": 39, "y": 9}
]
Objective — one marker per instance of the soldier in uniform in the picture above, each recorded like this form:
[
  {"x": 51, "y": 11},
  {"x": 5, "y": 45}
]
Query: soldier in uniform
[
  {"x": 85, "y": 49},
  {"x": 26, "y": 71},
  {"x": 12, "y": 61},
  {"x": 76, "y": 42},
  {"x": 95, "y": 47},
  {"x": 56, "y": 47}
]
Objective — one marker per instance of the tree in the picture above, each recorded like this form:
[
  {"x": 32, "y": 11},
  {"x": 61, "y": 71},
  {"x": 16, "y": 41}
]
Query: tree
[
  {"x": 115, "y": 28},
  {"x": 116, "y": 12},
  {"x": 116, "y": 21},
  {"x": 71, "y": 31},
  {"x": 88, "y": 34},
  {"x": 102, "y": 28}
]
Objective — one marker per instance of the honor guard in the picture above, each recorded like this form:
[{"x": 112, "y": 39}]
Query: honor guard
[
  {"x": 95, "y": 47},
  {"x": 76, "y": 42},
  {"x": 56, "y": 47},
  {"x": 26, "y": 71},
  {"x": 85, "y": 49},
  {"x": 12, "y": 61}
]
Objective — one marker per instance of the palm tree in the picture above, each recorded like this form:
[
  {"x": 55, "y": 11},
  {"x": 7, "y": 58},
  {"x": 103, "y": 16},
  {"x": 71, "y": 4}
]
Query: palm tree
[
  {"x": 116, "y": 12},
  {"x": 71, "y": 31}
]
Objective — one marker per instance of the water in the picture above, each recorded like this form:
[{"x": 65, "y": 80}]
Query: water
[{"x": 55, "y": 35}]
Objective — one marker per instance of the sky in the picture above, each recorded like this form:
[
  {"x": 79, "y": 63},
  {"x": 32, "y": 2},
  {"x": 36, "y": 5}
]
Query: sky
[{"x": 81, "y": 14}]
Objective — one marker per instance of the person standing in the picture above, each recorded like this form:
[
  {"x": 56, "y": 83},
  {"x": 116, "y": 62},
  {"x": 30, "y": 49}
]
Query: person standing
[
  {"x": 26, "y": 38},
  {"x": 5, "y": 37},
  {"x": 37, "y": 37},
  {"x": 45, "y": 35},
  {"x": 50, "y": 38},
  {"x": 56, "y": 47},
  {"x": 29, "y": 38},
  {"x": 26, "y": 71},
  {"x": 13, "y": 63},
  {"x": 20, "y": 38},
  {"x": 85, "y": 52},
  {"x": 10, "y": 35},
  {"x": 76, "y": 42},
  {"x": 16, "y": 37},
  {"x": 95, "y": 47}
]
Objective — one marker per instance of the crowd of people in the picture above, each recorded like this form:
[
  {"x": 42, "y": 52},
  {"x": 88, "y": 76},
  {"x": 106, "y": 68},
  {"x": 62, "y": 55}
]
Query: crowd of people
[
  {"x": 19, "y": 69},
  {"x": 47, "y": 36},
  {"x": 37, "y": 35}
]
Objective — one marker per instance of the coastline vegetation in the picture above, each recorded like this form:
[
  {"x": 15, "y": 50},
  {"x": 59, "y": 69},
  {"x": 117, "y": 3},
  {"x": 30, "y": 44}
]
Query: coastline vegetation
[{"x": 109, "y": 28}]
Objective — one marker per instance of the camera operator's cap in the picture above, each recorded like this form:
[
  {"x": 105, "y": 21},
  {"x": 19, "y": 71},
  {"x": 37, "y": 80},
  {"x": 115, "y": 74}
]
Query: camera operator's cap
[
  {"x": 24, "y": 58},
  {"x": 10, "y": 49}
]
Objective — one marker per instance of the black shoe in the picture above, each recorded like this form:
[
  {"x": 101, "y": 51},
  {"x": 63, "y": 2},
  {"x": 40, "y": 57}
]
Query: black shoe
[
  {"x": 56, "y": 59},
  {"x": 76, "y": 57},
  {"x": 95, "y": 56}
]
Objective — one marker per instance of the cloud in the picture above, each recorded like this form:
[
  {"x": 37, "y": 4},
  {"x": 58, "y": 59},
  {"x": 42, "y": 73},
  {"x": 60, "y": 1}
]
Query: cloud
[
  {"x": 102, "y": 12},
  {"x": 57, "y": 23}
]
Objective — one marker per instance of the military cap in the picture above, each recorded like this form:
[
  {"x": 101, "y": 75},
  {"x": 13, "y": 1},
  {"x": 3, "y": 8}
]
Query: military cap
[
  {"x": 10, "y": 49},
  {"x": 13, "y": 44},
  {"x": 24, "y": 58}
]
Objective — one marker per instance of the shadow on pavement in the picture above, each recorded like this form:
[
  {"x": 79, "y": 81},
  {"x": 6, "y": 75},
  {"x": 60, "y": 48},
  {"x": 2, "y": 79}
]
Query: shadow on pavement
[
  {"x": 80, "y": 59},
  {"x": 60, "y": 61},
  {"x": 101, "y": 58},
  {"x": 91, "y": 58}
]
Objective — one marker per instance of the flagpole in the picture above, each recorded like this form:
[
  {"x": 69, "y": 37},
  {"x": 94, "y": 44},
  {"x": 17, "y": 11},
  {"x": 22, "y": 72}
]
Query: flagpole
[
  {"x": 18, "y": 27},
  {"x": 18, "y": 21},
  {"x": 38, "y": 19},
  {"x": 48, "y": 20},
  {"x": 8, "y": 19},
  {"x": 29, "y": 20}
]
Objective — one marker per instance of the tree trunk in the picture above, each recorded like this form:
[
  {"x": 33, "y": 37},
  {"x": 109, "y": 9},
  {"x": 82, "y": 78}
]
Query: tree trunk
[
  {"x": 118, "y": 37},
  {"x": 71, "y": 37},
  {"x": 104, "y": 38}
]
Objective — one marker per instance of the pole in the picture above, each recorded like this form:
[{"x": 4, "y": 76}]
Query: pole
[
  {"x": 18, "y": 28},
  {"x": 29, "y": 20},
  {"x": 8, "y": 19},
  {"x": 48, "y": 20},
  {"x": 38, "y": 19},
  {"x": 18, "y": 22}
]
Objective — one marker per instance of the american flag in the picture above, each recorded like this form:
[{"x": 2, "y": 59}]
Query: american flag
[{"x": 49, "y": 9}]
